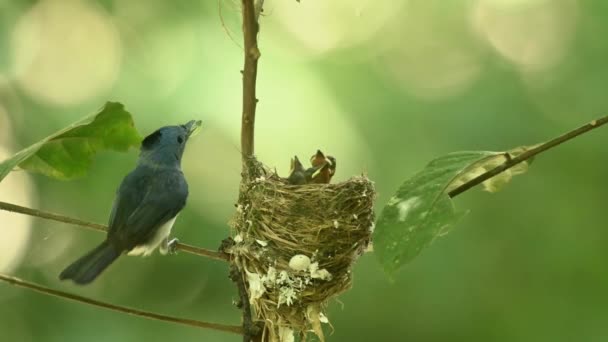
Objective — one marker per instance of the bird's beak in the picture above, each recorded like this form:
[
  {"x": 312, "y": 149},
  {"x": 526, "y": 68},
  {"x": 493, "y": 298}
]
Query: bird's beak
[
  {"x": 193, "y": 127},
  {"x": 318, "y": 155}
]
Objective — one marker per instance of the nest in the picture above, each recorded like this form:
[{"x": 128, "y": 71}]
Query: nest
[{"x": 295, "y": 246}]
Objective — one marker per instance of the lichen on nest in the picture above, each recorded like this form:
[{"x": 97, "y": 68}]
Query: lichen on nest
[{"x": 321, "y": 228}]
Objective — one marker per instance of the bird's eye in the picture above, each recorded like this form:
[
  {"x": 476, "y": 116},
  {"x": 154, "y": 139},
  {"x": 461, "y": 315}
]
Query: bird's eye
[{"x": 180, "y": 139}]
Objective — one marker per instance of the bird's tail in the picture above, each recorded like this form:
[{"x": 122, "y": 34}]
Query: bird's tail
[{"x": 87, "y": 268}]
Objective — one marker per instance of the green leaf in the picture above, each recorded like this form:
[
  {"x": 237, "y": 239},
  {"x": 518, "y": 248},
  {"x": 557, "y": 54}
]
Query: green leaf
[
  {"x": 497, "y": 182},
  {"x": 69, "y": 153},
  {"x": 421, "y": 210}
]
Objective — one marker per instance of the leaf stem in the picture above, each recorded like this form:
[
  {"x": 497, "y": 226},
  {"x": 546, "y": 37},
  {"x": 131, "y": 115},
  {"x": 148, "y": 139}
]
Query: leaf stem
[
  {"x": 136, "y": 312},
  {"x": 102, "y": 228},
  {"x": 510, "y": 162}
]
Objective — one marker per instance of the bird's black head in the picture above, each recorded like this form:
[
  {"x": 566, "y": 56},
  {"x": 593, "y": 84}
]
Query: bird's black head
[{"x": 167, "y": 144}]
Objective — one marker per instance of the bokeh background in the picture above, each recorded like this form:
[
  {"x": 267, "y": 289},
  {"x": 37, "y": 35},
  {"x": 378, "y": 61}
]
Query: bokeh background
[{"x": 384, "y": 86}]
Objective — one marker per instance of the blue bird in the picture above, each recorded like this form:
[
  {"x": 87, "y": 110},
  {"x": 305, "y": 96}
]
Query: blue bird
[{"x": 146, "y": 204}]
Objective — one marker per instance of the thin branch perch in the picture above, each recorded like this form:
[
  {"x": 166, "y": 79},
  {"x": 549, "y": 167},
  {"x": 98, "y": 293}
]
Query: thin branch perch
[
  {"x": 527, "y": 155},
  {"x": 51, "y": 216},
  {"x": 102, "y": 228},
  {"x": 135, "y": 312}
]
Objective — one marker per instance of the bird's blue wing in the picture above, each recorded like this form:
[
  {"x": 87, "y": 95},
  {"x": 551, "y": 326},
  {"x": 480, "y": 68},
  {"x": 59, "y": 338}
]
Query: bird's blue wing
[
  {"x": 129, "y": 196},
  {"x": 165, "y": 197},
  {"x": 146, "y": 200},
  {"x": 143, "y": 224}
]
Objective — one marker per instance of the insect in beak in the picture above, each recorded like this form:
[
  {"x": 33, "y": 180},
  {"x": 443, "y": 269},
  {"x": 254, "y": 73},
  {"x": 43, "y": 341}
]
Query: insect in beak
[{"x": 193, "y": 127}]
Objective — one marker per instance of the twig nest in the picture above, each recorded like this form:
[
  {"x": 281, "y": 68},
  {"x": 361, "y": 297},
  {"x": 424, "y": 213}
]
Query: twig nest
[{"x": 295, "y": 246}]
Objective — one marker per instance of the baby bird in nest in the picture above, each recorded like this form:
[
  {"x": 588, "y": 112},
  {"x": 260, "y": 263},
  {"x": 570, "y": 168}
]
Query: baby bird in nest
[
  {"x": 326, "y": 165},
  {"x": 297, "y": 174},
  {"x": 323, "y": 168}
]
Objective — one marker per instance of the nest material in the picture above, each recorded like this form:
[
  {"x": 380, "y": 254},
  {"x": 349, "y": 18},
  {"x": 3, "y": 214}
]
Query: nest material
[{"x": 330, "y": 224}]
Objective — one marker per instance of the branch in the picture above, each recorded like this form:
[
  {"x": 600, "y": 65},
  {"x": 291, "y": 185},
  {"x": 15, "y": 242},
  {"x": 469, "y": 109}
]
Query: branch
[
  {"x": 50, "y": 216},
  {"x": 102, "y": 228},
  {"x": 527, "y": 155},
  {"x": 251, "y": 27},
  {"x": 207, "y": 253},
  {"x": 150, "y": 315},
  {"x": 251, "y": 331},
  {"x": 250, "y": 71}
]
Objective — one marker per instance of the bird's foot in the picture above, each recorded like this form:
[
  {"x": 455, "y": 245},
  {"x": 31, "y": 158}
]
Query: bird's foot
[
  {"x": 172, "y": 246},
  {"x": 168, "y": 246}
]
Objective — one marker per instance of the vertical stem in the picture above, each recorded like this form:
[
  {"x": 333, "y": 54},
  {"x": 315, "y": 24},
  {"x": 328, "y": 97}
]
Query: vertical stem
[
  {"x": 252, "y": 332},
  {"x": 250, "y": 70}
]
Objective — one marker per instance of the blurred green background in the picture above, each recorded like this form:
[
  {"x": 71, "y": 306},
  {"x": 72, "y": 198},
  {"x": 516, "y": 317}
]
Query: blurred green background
[{"x": 385, "y": 87}]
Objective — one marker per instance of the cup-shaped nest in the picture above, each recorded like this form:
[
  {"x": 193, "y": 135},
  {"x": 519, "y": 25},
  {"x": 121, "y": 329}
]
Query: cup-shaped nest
[{"x": 295, "y": 246}]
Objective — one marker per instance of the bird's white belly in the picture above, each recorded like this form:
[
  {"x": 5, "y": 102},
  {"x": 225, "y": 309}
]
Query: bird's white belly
[{"x": 161, "y": 234}]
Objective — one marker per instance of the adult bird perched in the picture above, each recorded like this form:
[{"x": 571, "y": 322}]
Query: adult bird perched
[{"x": 146, "y": 204}]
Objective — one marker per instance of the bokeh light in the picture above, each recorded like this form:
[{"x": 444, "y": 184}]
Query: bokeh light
[
  {"x": 14, "y": 237},
  {"x": 289, "y": 124},
  {"x": 532, "y": 35},
  {"x": 316, "y": 27},
  {"x": 159, "y": 52},
  {"x": 15, "y": 188},
  {"x": 428, "y": 56},
  {"x": 65, "y": 51}
]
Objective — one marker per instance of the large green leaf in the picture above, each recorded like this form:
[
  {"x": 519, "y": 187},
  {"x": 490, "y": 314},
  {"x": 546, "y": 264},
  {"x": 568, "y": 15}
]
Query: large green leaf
[
  {"x": 69, "y": 152},
  {"x": 421, "y": 210},
  {"x": 484, "y": 165}
]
